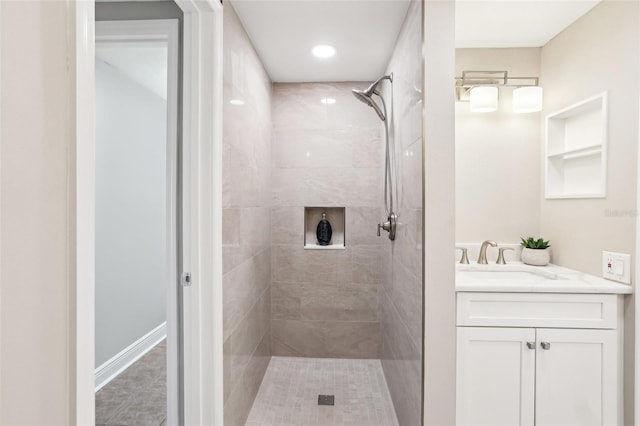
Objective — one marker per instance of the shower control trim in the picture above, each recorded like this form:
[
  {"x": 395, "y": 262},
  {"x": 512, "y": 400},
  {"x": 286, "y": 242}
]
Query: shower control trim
[{"x": 389, "y": 226}]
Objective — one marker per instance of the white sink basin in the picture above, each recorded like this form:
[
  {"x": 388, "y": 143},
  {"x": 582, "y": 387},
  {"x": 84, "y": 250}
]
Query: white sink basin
[
  {"x": 518, "y": 277},
  {"x": 506, "y": 275},
  {"x": 511, "y": 272}
]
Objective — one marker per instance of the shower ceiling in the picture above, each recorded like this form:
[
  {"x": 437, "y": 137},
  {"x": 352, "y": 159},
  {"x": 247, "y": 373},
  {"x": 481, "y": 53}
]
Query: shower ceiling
[{"x": 364, "y": 32}]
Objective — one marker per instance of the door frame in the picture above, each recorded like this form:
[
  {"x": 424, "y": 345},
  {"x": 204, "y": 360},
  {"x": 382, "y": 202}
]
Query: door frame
[
  {"x": 202, "y": 212},
  {"x": 636, "y": 296}
]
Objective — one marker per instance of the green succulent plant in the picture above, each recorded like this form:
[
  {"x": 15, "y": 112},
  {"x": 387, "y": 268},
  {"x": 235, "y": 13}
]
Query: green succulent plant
[{"x": 532, "y": 243}]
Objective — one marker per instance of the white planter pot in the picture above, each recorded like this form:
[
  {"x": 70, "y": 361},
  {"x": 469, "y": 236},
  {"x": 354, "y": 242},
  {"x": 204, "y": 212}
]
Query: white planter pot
[{"x": 536, "y": 257}]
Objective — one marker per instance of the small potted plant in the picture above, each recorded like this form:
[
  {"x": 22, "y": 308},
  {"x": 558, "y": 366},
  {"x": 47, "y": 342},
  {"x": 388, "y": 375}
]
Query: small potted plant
[{"x": 535, "y": 252}]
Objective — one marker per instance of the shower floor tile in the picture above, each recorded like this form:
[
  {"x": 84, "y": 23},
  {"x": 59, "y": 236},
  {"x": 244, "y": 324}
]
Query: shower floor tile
[{"x": 288, "y": 395}]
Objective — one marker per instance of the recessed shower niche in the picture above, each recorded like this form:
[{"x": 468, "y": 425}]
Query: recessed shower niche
[{"x": 336, "y": 218}]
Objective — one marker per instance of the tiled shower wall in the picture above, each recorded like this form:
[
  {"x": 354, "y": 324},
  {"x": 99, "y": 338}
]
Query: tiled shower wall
[
  {"x": 325, "y": 302},
  {"x": 401, "y": 295},
  {"x": 246, "y": 221}
]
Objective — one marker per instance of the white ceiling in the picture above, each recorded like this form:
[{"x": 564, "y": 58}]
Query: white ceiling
[
  {"x": 515, "y": 23},
  {"x": 364, "y": 32},
  {"x": 144, "y": 63}
]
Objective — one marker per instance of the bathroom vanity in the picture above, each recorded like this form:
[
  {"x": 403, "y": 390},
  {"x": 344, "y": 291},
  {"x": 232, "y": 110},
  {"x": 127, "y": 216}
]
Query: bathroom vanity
[{"x": 538, "y": 346}]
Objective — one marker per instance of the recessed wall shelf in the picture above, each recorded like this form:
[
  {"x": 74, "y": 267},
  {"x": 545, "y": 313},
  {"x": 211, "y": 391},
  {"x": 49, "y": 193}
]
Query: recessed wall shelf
[
  {"x": 335, "y": 216},
  {"x": 576, "y": 150}
]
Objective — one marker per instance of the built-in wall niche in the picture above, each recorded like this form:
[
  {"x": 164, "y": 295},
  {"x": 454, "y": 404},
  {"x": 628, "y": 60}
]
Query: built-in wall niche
[
  {"x": 313, "y": 216},
  {"x": 576, "y": 150}
]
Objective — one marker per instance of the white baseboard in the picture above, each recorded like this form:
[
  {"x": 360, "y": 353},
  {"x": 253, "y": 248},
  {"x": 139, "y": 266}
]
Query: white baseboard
[{"x": 116, "y": 365}]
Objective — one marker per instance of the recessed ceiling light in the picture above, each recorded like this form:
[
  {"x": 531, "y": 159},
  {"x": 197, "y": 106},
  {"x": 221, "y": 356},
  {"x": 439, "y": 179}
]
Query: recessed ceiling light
[
  {"x": 328, "y": 101},
  {"x": 237, "y": 102},
  {"x": 323, "y": 51}
]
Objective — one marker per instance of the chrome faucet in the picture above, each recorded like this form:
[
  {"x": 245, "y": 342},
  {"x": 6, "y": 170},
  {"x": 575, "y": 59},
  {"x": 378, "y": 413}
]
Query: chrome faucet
[{"x": 482, "y": 257}]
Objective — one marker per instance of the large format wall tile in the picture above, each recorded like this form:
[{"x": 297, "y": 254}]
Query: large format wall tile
[
  {"x": 241, "y": 397},
  {"x": 325, "y": 302},
  {"x": 248, "y": 335},
  {"x": 360, "y": 264},
  {"x": 243, "y": 286},
  {"x": 310, "y": 148},
  {"x": 402, "y": 290},
  {"x": 332, "y": 186},
  {"x": 325, "y": 339},
  {"x": 329, "y": 301},
  {"x": 298, "y": 105},
  {"x": 246, "y": 221},
  {"x": 287, "y": 225},
  {"x": 362, "y": 224}
]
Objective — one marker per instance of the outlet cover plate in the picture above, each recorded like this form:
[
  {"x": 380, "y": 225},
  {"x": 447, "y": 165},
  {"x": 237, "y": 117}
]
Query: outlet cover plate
[{"x": 616, "y": 267}]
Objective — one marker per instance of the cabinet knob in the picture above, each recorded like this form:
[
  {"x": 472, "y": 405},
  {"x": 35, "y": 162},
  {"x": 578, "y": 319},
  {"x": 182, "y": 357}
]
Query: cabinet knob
[
  {"x": 531, "y": 345},
  {"x": 545, "y": 345}
]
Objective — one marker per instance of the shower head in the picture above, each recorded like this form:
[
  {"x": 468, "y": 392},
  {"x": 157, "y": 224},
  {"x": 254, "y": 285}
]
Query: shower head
[{"x": 366, "y": 96}]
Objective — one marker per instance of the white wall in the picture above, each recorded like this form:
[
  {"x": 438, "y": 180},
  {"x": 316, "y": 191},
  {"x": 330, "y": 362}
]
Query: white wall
[
  {"x": 131, "y": 199},
  {"x": 589, "y": 57},
  {"x": 600, "y": 51},
  {"x": 439, "y": 211},
  {"x": 497, "y": 167},
  {"x": 36, "y": 367}
]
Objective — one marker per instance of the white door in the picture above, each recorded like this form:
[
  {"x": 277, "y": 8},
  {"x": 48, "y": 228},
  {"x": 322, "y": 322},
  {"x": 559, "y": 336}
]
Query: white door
[
  {"x": 576, "y": 377},
  {"x": 495, "y": 376}
]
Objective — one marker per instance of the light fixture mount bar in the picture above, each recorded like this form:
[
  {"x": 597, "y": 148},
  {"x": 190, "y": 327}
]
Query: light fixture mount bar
[{"x": 470, "y": 79}]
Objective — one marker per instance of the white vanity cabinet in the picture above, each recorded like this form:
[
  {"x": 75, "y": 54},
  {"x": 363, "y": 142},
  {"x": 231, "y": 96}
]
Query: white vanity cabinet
[{"x": 539, "y": 359}]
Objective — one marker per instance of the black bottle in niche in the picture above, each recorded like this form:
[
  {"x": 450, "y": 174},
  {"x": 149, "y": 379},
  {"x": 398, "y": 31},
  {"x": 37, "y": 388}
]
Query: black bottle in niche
[{"x": 323, "y": 231}]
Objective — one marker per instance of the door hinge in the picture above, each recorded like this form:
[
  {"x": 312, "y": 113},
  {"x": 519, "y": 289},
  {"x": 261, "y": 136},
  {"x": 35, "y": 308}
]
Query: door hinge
[{"x": 185, "y": 279}]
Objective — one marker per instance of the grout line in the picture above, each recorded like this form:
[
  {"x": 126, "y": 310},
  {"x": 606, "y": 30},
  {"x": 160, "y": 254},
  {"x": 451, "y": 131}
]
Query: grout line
[
  {"x": 397, "y": 314},
  {"x": 244, "y": 316}
]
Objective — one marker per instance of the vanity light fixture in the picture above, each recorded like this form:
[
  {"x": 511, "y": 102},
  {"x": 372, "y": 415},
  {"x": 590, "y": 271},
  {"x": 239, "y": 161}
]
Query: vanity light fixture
[
  {"x": 483, "y": 98},
  {"x": 481, "y": 88},
  {"x": 328, "y": 101},
  {"x": 527, "y": 99},
  {"x": 323, "y": 51}
]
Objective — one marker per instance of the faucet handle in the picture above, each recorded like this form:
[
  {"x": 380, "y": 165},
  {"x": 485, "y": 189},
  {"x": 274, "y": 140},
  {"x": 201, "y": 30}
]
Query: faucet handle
[
  {"x": 501, "y": 260},
  {"x": 464, "y": 260}
]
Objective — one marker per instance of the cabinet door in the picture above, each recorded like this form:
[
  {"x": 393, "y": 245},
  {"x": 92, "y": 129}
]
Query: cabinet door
[
  {"x": 576, "y": 377},
  {"x": 495, "y": 376}
]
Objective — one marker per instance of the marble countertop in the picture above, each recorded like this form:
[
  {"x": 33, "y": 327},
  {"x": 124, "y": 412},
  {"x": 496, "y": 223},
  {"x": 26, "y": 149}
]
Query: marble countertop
[{"x": 516, "y": 277}]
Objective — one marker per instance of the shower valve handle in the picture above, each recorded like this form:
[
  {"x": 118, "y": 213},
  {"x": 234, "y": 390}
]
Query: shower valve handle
[
  {"x": 386, "y": 226},
  {"x": 389, "y": 226}
]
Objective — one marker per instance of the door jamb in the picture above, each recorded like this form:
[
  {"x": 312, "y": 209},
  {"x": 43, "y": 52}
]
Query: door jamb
[{"x": 202, "y": 175}]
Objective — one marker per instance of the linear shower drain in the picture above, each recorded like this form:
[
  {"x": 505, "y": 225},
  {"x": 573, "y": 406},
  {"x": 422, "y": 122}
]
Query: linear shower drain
[{"x": 325, "y": 399}]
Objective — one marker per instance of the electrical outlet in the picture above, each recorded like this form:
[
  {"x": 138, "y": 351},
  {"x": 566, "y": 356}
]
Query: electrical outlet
[{"x": 616, "y": 266}]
